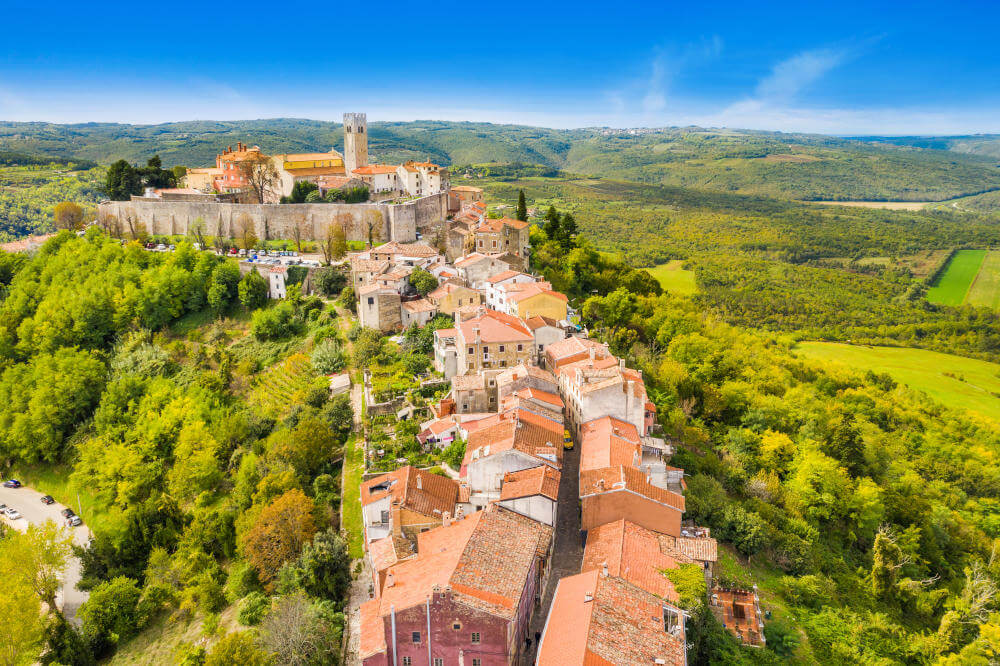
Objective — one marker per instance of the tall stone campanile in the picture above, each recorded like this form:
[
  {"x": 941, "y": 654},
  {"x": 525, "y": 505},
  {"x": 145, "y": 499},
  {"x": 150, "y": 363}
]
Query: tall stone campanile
[{"x": 355, "y": 141}]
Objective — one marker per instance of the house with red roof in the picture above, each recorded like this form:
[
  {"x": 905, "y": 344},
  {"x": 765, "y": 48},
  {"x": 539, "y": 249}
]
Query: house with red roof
[
  {"x": 503, "y": 235},
  {"x": 405, "y": 502},
  {"x": 622, "y": 491},
  {"x": 492, "y": 340},
  {"x": 532, "y": 492},
  {"x": 466, "y": 597},
  {"x": 599, "y": 619}
]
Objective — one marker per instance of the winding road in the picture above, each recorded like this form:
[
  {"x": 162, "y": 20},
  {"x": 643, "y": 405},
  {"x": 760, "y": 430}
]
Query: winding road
[{"x": 29, "y": 503}]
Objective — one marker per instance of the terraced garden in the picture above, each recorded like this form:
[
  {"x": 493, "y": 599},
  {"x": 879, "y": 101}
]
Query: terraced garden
[{"x": 283, "y": 385}]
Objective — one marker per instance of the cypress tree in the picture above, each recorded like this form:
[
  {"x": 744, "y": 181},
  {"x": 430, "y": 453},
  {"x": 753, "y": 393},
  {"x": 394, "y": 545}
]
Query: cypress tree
[{"x": 522, "y": 207}]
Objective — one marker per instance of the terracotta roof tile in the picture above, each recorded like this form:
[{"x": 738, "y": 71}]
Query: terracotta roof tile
[
  {"x": 608, "y": 442},
  {"x": 372, "y": 640},
  {"x": 623, "y": 478},
  {"x": 418, "y": 490},
  {"x": 522, "y": 430},
  {"x": 419, "y": 305},
  {"x": 542, "y": 480},
  {"x": 634, "y": 553}
]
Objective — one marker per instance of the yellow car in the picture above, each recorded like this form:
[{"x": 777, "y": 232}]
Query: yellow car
[{"x": 567, "y": 440}]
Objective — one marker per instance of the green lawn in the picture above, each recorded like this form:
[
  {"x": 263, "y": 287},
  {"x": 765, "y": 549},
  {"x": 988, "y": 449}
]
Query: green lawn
[
  {"x": 953, "y": 285},
  {"x": 354, "y": 467},
  {"x": 954, "y": 381},
  {"x": 985, "y": 291},
  {"x": 673, "y": 278}
]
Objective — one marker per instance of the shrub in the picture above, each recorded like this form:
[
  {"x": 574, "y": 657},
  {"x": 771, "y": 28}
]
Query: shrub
[
  {"x": 253, "y": 608},
  {"x": 242, "y": 581},
  {"x": 111, "y": 614},
  {"x": 328, "y": 357},
  {"x": 274, "y": 323},
  {"x": 329, "y": 281}
]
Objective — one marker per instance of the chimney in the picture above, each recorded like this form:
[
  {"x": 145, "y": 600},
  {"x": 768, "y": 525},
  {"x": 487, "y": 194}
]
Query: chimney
[
  {"x": 600, "y": 484},
  {"x": 446, "y": 519},
  {"x": 420, "y": 484},
  {"x": 475, "y": 333},
  {"x": 390, "y": 579},
  {"x": 397, "y": 527},
  {"x": 621, "y": 364},
  {"x": 589, "y": 596},
  {"x": 459, "y": 513},
  {"x": 592, "y": 349},
  {"x": 604, "y": 569}
]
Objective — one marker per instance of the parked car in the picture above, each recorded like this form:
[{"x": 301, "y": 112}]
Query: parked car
[
  {"x": 161, "y": 248},
  {"x": 66, "y": 513},
  {"x": 567, "y": 440},
  {"x": 233, "y": 250},
  {"x": 13, "y": 513},
  {"x": 47, "y": 499},
  {"x": 73, "y": 521},
  {"x": 171, "y": 247},
  {"x": 11, "y": 483},
  {"x": 150, "y": 246}
]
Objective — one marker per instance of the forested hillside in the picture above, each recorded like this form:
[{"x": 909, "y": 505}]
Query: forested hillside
[
  {"x": 790, "y": 166},
  {"x": 31, "y": 186}
]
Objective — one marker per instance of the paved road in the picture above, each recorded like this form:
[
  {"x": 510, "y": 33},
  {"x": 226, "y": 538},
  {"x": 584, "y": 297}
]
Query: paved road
[
  {"x": 28, "y": 502},
  {"x": 567, "y": 555}
]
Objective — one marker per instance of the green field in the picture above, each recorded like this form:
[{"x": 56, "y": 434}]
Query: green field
[
  {"x": 985, "y": 290},
  {"x": 954, "y": 284},
  {"x": 954, "y": 381},
  {"x": 673, "y": 278}
]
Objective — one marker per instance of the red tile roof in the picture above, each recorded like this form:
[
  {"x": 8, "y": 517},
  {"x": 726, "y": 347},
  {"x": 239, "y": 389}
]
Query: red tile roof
[
  {"x": 495, "y": 327},
  {"x": 485, "y": 558},
  {"x": 372, "y": 639},
  {"x": 634, "y": 553},
  {"x": 600, "y": 620},
  {"x": 523, "y": 431},
  {"x": 542, "y": 480},
  {"x": 623, "y": 478},
  {"x": 418, "y": 490},
  {"x": 608, "y": 442}
]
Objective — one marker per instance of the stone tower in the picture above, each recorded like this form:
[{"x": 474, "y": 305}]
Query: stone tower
[{"x": 355, "y": 141}]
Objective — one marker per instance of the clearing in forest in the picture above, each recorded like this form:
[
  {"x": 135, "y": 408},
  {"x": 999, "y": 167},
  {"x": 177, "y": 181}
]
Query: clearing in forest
[
  {"x": 954, "y": 381},
  {"x": 673, "y": 278},
  {"x": 953, "y": 285},
  {"x": 985, "y": 290}
]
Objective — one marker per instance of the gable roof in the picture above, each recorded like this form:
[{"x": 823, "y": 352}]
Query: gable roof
[
  {"x": 634, "y": 553},
  {"x": 535, "y": 322},
  {"x": 532, "y": 290},
  {"x": 574, "y": 346},
  {"x": 518, "y": 430},
  {"x": 608, "y": 442},
  {"x": 623, "y": 478},
  {"x": 600, "y": 620},
  {"x": 419, "y": 305},
  {"x": 542, "y": 480},
  {"x": 469, "y": 259},
  {"x": 505, "y": 275},
  {"x": 416, "y": 489},
  {"x": 406, "y": 249},
  {"x": 484, "y": 558},
  {"x": 495, "y": 327}
]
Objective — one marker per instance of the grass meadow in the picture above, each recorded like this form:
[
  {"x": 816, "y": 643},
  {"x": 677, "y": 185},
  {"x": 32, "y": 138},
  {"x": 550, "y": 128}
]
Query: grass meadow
[
  {"x": 954, "y": 381},
  {"x": 673, "y": 278},
  {"x": 954, "y": 284}
]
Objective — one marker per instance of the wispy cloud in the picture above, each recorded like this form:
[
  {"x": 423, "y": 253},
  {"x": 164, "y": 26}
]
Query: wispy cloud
[{"x": 789, "y": 77}]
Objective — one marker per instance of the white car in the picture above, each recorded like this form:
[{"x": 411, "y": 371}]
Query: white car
[{"x": 13, "y": 513}]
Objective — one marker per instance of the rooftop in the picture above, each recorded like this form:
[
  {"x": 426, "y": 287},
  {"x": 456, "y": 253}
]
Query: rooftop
[
  {"x": 419, "y": 305},
  {"x": 623, "y": 478},
  {"x": 406, "y": 249},
  {"x": 519, "y": 430},
  {"x": 609, "y": 442},
  {"x": 505, "y": 275},
  {"x": 634, "y": 553},
  {"x": 542, "y": 480},
  {"x": 569, "y": 347},
  {"x": 495, "y": 326},
  {"x": 416, "y": 489},
  {"x": 600, "y": 620}
]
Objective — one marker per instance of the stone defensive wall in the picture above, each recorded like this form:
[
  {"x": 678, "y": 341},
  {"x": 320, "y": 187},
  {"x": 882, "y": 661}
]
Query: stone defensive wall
[{"x": 396, "y": 221}]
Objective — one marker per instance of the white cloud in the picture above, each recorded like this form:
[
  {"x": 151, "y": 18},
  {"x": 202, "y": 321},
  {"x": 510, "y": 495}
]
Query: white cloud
[{"x": 791, "y": 76}]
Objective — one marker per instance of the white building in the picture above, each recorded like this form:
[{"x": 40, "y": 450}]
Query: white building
[
  {"x": 496, "y": 287},
  {"x": 533, "y": 493},
  {"x": 276, "y": 281}
]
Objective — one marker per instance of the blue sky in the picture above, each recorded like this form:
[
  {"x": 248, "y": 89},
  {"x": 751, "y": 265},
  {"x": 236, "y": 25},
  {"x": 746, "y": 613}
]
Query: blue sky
[{"x": 842, "y": 68}]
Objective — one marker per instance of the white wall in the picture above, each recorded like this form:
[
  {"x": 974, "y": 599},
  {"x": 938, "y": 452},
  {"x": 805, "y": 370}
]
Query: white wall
[{"x": 537, "y": 507}]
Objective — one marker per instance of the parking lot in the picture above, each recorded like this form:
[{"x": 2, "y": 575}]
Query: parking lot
[{"x": 29, "y": 503}]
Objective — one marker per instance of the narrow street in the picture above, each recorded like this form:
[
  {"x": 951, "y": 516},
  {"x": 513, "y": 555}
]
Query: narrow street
[{"x": 567, "y": 555}]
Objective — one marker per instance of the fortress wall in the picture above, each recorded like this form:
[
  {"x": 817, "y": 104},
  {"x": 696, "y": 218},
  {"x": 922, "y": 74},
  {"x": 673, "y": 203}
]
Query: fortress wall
[{"x": 397, "y": 222}]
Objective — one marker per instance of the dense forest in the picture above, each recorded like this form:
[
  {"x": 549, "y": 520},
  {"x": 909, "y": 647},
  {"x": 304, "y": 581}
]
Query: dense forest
[
  {"x": 133, "y": 374},
  {"x": 790, "y": 166},
  {"x": 858, "y": 507},
  {"x": 30, "y": 188}
]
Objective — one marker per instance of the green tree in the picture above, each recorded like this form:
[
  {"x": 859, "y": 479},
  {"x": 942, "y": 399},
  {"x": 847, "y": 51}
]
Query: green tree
[
  {"x": 423, "y": 281},
  {"x": 329, "y": 281},
  {"x": 323, "y": 569},
  {"x": 122, "y": 181},
  {"x": 301, "y": 190},
  {"x": 367, "y": 347},
  {"x": 68, "y": 215},
  {"x": 64, "y": 644},
  {"x": 551, "y": 224},
  {"x": 111, "y": 614},
  {"x": 328, "y": 357},
  {"x": 521, "y": 212},
  {"x": 274, "y": 323},
  {"x": 252, "y": 290}
]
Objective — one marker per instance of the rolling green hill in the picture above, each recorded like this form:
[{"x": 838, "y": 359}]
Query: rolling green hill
[{"x": 790, "y": 166}]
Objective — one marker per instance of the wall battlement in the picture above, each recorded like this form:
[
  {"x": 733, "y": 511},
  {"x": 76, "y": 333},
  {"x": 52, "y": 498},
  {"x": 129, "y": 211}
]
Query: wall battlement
[{"x": 394, "y": 222}]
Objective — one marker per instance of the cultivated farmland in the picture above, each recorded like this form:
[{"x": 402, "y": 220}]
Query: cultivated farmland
[{"x": 953, "y": 285}]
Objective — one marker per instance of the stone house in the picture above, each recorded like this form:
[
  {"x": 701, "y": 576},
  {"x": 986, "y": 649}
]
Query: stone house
[
  {"x": 449, "y": 297},
  {"x": 411, "y": 254},
  {"x": 593, "y": 389},
  {"x": 477, "y": 267},
  {"x": 523, "y": 376},
  {"x": 570, "y": 350},
  {"x": 419, "y": 312},
  {"x": 547, "y": 332},
  {"x": 471, "y": 394},
  {"x": 543, "y": 403},
  {"x": 492, "y": 340},
  {"x": 379, "y": 308},
  {"x": 378, "y": 178},
  {"x": 503, "y": 235},
  {"x": 509, "y": 442},
  {"x": 364, "y": 270},
  {"x": 496, "y": 286},
  {"x": 467, "y": 597},
  {"x": 533, "y": 493},
  {"x": 598, "y": 618},
  {"x": 405, "y": 502},
  {"x": 538, "y": 298}
]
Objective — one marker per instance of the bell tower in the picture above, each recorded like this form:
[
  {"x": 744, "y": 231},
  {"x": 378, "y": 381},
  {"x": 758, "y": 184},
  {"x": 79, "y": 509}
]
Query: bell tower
[{"x": 355, "y": 141}]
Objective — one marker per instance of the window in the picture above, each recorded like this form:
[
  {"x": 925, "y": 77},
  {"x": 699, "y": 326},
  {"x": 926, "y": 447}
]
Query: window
[
  {"x": 456, "y": 626},
  {"x": 371, "y": 301},
  {"x": 385, "y": 516},
  {"x": 415, "y": 637},
  {"x": 520, "y": 348},
  {"x": 472, "y": 350},
  {"x": 477, "y": 662},
  {"x": 486, "y": 351},
  {"x": 407, "y": 661},
  {"x": 475, "y": 638},
  {"x": 501, "y": 348},
  {"x": 438, "y": 661}
]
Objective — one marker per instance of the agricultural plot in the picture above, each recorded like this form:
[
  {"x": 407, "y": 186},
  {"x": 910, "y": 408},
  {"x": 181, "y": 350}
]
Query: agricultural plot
[
  {"x": 673, "y": 278},
  {"x": 954, "y": 381},
  {"x": 953, "y": 286},
  {"x": 282, "y": 385},
  {"x": 985, "y": 290}
]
